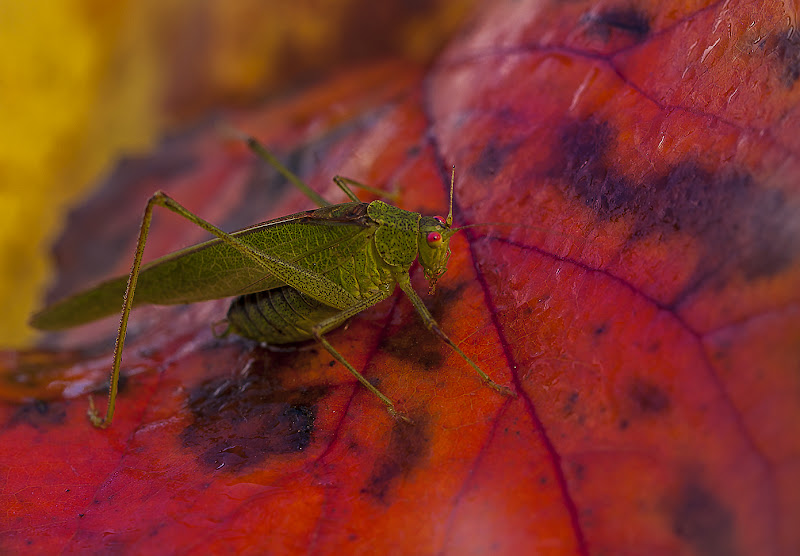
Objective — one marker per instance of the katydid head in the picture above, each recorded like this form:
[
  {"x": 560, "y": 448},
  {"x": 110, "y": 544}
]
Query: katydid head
[
  {"x": 434, "y": 248},
  {"x": 434, "y": 242}
]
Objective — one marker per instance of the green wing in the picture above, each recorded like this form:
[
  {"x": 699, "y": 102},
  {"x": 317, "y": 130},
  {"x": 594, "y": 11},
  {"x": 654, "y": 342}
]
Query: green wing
[{"x": 316, "y": 239}]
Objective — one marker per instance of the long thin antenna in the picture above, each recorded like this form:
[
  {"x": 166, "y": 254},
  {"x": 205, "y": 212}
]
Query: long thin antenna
[{"x": 449, "y": 220}]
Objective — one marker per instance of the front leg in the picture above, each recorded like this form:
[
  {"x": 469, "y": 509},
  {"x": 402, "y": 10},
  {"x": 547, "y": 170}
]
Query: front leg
[{"x": 404, "y": 282}]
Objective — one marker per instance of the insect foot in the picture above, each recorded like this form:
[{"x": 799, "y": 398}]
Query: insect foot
[
  {"x": 399, "y": 416},
  {"x": 505, "y": 390},
  {"x": 94, "y": 416}
]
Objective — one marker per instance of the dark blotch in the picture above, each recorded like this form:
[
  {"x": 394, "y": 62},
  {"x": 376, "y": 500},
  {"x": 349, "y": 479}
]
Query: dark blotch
[
  {"x": 240, "y": 421},
  {"x": 648, "y": 398},
  {"x": 491, "y": 159},
  {"x": 409, "y": 445},
  {"x": 122, "y": 383},
  {"x": 626, "y": 20},
  {"x": 783, "y": 49},
  {"x": 579, "y": 471},
  {"x": 413, "y": 151},
  {"x": 418, "y": 345},
  {"x": 40, "y": 414},
  {"x": 35, "y": 369},
  {"x": 569, "y": 406},
  {"x": 445, "y": 297},
  {"x": 772, "y": 223},
  {"x": 741, "y": 226},
  {"x": 264, "y": 187},
  {"x": 703, "y": 521},
  {"x": 582, "y": 166}
]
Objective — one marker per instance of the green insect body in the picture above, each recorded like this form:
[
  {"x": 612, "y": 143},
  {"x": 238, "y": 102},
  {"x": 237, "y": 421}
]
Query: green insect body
[
  {"x": 296, "y": 277},
  {"x": 284, "y": 314}
]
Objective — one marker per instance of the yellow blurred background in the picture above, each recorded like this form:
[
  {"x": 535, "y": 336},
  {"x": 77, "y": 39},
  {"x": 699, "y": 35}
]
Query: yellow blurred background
[{"x": 83, "y": 82}]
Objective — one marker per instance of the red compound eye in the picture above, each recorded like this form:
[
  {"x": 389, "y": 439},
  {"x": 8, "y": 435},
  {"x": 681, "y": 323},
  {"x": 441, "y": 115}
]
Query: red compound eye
[
  {"x": 439, "y": 219},
  {"x": 434, "y": 238}
]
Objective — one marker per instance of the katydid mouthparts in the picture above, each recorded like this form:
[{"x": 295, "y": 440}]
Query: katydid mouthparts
[{"x": 296, "y": 278}]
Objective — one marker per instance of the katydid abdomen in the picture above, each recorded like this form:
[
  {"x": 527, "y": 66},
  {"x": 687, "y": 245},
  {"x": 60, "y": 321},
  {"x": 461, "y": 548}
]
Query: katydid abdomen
[{"x": 280, "y": 316}]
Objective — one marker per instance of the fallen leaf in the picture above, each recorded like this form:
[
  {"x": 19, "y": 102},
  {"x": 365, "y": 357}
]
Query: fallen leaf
[{"x": 643, "y": 304}]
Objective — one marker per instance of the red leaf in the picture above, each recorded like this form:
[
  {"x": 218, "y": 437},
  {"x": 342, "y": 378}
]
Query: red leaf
[{"x": 644, "y": 308}]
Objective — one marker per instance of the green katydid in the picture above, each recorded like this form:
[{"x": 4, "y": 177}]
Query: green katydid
[{"x": 296, "y": 277}]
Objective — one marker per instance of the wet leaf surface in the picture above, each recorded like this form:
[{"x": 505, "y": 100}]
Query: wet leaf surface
[{"x": 643, "y": 306}]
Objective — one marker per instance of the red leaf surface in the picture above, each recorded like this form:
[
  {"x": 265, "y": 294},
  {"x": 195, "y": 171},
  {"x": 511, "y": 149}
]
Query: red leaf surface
[{"x": 644, "y": 307}]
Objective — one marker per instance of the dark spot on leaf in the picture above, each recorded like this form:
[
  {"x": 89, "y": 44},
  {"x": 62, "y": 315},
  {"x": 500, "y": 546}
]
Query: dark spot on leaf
[
  {"x": 40, "y": 414},
  {"x": 627, "y": 20},
  {"x": 783, "y": 51},
  {"x": 446, "y": 297},
  {"x": 773, "y": 226},
  {"x": 578, "y": 471},
  {"x": 648, "y": 398},
  {"x": 582, "y": 167},
  {"x": 624, "y": 424},
  {"x": 409, "y": 445},
  {"x": 740, "y": 225},
  {"x": 122, "y": 383},
  {"x": 601, "y": 329},
  {"x": 264, "y": 187},
  {"x": 527, "y": 311},
  {"x": 413, "y": 151},
  {"x": 301, "y": 161},
  {"x": 34, "y": 369},
  {"x": 415, "y": 343},
  {"x": 703, "y": 521},
  {"x": 239, "y": 421},
  {"x": 569, "y": 406},
  {"x": 218, "y": 341},
  {"x": 491, "y": 159}
]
